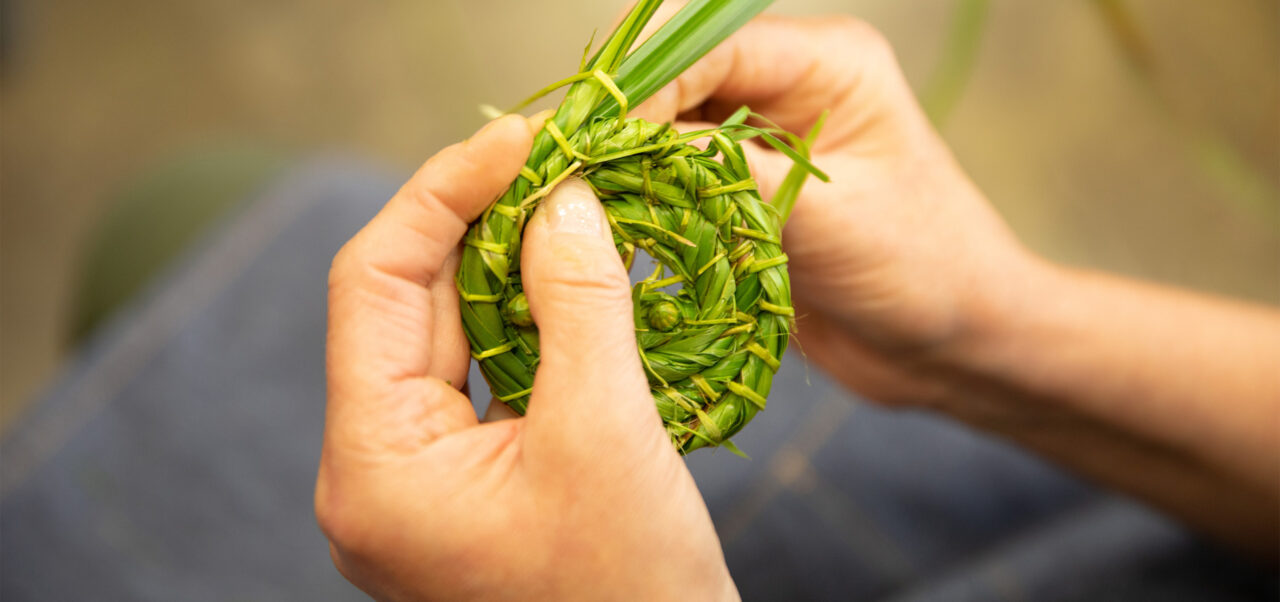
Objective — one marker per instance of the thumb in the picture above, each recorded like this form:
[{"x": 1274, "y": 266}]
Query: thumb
[{"x": 589, "y": 377}]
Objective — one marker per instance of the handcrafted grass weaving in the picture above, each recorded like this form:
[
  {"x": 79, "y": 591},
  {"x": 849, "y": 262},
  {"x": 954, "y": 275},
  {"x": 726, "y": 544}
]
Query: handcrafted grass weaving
[{"x": 710, "y": 349}]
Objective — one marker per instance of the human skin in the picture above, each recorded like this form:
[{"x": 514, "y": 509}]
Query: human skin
[
  {"x": 584, "y": 497},
  {"x": 910, "y": 291}
]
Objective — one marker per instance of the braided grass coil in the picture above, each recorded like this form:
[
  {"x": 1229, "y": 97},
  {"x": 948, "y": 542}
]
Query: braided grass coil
[{"x": 713, "y": 319}]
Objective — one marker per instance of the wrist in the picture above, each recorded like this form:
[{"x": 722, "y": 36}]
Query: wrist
[
  {"x": 1003, "y": 311},
  {"x": 986, "y": 366}
]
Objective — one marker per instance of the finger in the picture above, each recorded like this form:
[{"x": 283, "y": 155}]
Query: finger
[
  {"x": 447, "y": 357},
  {"x": 790, "y": 69},
  {"x": 410, "y": 238},
  {"x": 589, "y": 385},
  {"x": 498, "y": 411},
  {"x": 539, "y": 119},
  {"x": 394, "y": 347},
  {"x": 771, "y": 58}
]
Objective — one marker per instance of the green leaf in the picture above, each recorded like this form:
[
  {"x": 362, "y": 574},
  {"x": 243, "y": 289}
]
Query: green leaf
[
  {"x": 794, "y": 155},
  {"x": 784, "y": 200},
  {"x": 733, "y": 447},
  {"x": 738, "y": 117},
  {"x": 690, "y": 34},
  {"x": 614, "y": 50}
]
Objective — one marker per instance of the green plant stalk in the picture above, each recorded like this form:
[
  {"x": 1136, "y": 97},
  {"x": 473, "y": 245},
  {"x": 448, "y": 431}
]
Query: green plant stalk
[
  {"x": 959, "y": 55},
  {"x": 692, "y": 32}
]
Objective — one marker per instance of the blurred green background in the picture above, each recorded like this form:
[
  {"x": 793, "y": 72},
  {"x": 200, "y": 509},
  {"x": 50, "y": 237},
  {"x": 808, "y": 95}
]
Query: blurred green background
[{"x": 1139, "y": 136}]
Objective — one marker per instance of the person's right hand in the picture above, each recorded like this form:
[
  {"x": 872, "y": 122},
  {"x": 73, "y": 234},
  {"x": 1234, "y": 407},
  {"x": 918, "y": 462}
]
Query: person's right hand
[
  {"x": 899, "y": 259},
  {"x": 582, "y": 498}
]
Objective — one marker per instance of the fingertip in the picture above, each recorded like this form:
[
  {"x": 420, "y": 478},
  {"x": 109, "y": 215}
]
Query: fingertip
[
  {"x": 662, "y": 107},
  {"x": 569, "y": 234},
  {"x": 498, "y": 411},
  {"x": 467, "y": 176},
  {"x": 572, "y": 208},
  {"x": 539, "y": 119},
  {"x": 571, "y": 270},
  {"x": 502, "y": 138}
]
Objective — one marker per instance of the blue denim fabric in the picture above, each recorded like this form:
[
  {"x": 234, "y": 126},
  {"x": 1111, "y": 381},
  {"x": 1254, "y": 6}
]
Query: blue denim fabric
[{"x": 174, "y": 459}]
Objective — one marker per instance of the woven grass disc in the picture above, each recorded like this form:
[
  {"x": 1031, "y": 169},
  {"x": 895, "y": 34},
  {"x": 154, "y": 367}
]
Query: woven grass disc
[{"x": 713, "y": 319}]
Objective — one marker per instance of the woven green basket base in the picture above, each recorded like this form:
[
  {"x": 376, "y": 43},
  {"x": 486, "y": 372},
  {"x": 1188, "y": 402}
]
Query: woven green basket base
[{"x": 710, "y": 350}]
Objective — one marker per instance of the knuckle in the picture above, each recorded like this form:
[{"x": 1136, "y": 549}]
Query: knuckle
[
  {"x": 582, "y": 289},
  {"x": 425, "y": 194},
  {"x": 594, "y": 267},
  {"x": 341, "y": 518},
  {"x": 443, "y": 184},
  {"x": 344, "y": 263},
  {"x": 343, "y": 566},
  {"x": 863, "y": 37}
]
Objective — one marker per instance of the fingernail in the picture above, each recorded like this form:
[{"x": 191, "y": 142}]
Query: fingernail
[
  {"x": 573, "y": 208},
  {"x": 492, "y": 125},
  {"x": 537, "y": 120}
]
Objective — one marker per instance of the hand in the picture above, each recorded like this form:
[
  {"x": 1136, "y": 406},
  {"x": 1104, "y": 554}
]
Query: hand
[
  {"x": 582, "y": 498},
  {"x": 899, "y": 258},
  {"x": 910, "y": 290}
]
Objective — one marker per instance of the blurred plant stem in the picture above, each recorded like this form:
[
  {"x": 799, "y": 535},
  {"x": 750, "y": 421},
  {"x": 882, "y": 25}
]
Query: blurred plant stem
[
  {"x": 959, "y": 53},
  {"x": 1216, "y": 157}
]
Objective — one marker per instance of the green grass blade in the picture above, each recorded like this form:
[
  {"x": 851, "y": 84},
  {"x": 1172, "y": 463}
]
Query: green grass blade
[
  {"x": 784, "y": 200},
  {"x": 615, "y": 48},
  {"x": 791, "y": 153},
  {"x": 739, "y": 117},
  {"x": 690, "y": 34},
  {"x": 960, "y": 54}
]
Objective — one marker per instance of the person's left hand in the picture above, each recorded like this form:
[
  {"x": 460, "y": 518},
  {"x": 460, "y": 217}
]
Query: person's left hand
[{"x": 585, "y": 497}]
